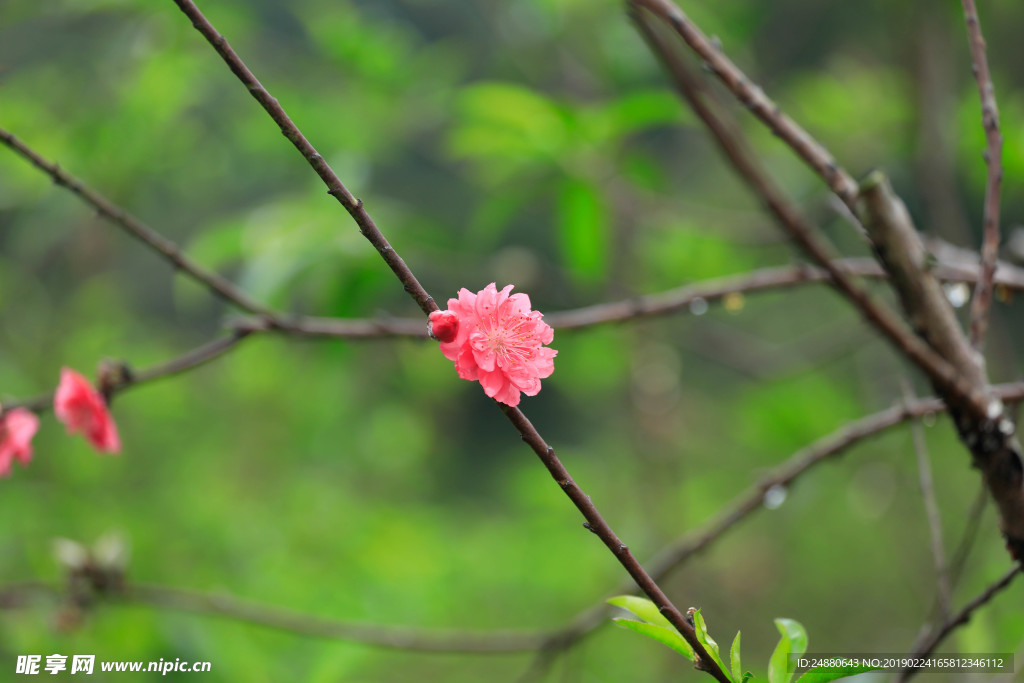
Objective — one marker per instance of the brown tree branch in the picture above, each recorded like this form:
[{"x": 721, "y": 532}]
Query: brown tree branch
[
  {"x": 19, "y": 594},
  {"x": 673, "y": 555},
  {"x": 733, "y": 144},
  {"x": 982, "y": 301},
  {"x": 595, "y": 522},
  {"x": 339, "y": 328},
  {"x": 662, "y": 303},
  {"x": 987, "y": 432},
  {"x": 955, "y": 566},
  {"x": 646, "y": 306},
  {"x": 754, "y": 98},
  {"x": 170, "y": 251},
  {"x": 126, "y": 378},
  {"x": 959, "y": 619}
]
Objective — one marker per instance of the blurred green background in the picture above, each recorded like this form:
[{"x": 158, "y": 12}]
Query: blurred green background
[{"x": 536, "y": 143}]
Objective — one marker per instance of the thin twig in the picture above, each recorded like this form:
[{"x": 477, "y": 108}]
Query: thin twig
[
  {"x": 646, "y": 306},
  {"x": 959, "y": 619},
  {"x": 595, "y": 521},
  {"x": 931, "y": 506},
  {"x": 963, "y": 550},
  {"x": 395, "y": 637},
  {"x": 127, "y": 378},
  {"x": 136, "y": 228},
  {"x": 339, "y": 328},
  {"x": 764, "y": 279},
  {"x": 753, "y": 97},
  {"x": 956, "y": 564},
  {"x": 19, "y": 594},
  {"x": 733, "y": 144},
  {"x": 982, "y": 301},
  {"x": 652, "y": 305}
]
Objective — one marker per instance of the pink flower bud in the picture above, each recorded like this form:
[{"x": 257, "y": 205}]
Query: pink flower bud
[
  {"x": 79, "y": 406},
  {"x": 444, "y": 326},
  {"x": 17, "y": 427}
]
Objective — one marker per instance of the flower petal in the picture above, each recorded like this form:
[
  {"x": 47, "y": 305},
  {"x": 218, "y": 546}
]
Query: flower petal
[{"x": 493, "y": 382}]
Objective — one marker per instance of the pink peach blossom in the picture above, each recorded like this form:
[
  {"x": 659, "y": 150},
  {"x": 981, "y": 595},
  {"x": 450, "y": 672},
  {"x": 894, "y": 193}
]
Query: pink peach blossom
[
  {"x": 79, "y": 406},
  {"x": 500, "y": 342},
  {"x": 17, "y": 427}
]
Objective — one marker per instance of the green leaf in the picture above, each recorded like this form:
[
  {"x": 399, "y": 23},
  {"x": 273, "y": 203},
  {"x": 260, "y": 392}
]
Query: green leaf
[
  {"x": 820, "y": 674},
  {"x": 706, "y": 640},
  {"x": 494, "y": 213},
  {"x": 734, "y": 658},
  {"x": 792, "y": 644},
  {"x": 583, "y": 230},
  {"x": 643, "y": 608},
  {"x": 669, "y": 637},
  {"x": 746, "y": 677},
  {"x": 506, "y": 128},
  {"x": 645, "y": 109}
]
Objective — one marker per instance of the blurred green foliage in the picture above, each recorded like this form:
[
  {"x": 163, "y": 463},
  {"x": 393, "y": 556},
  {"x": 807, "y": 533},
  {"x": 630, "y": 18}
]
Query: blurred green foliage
[{"x": 536, "y": 143}]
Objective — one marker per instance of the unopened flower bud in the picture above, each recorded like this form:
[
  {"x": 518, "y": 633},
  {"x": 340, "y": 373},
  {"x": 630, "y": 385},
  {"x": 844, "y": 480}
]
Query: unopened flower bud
[{"x": 443, "y": 326}]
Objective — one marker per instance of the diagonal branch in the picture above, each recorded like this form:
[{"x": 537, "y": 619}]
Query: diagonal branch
[
  {"x": 994, "y": 163},
  {"x": 939, "y": 349},
  {"x": 595, "y": 521},
  {"x": 755, "y": 99},
  {"x": 673, "y": 555},
  {"x": 989, "y": 436},
  {"x": 959, "y": 619},
  {"x": 931, "y": 507},
  {"x": 733, "y": 144},
  {"x": 170, "y": 251}
]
